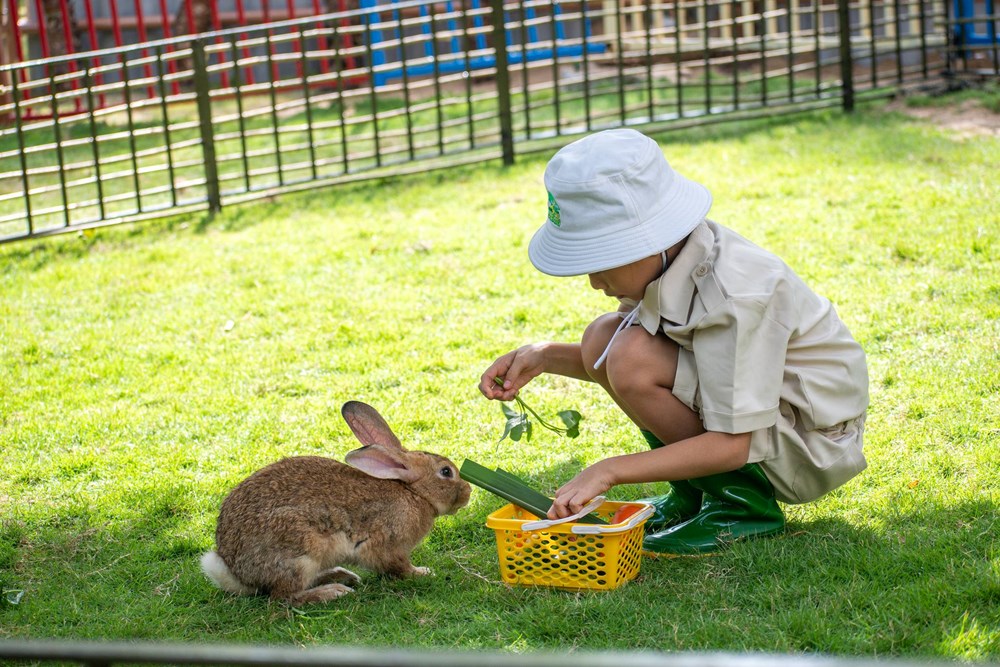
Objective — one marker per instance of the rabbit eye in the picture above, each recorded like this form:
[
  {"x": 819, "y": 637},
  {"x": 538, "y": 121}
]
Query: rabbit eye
[{"x": 446, "y": 472}]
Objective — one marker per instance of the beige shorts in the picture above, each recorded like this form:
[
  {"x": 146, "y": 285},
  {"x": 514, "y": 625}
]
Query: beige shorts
[{"x": 803, "y": 465}]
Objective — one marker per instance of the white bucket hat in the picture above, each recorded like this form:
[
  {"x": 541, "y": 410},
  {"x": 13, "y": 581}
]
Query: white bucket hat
[{"x": 613, "y": 200}]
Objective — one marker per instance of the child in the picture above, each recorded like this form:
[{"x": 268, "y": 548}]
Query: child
[{"x": 717, "y": 351}]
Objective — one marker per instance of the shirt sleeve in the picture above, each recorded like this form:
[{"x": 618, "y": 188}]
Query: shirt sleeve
[{"x": 739, "y": 350}]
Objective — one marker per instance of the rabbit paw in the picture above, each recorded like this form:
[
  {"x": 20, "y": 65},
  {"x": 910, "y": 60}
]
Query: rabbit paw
[
  {"x": 422, "y": 572},
  {"x": 335, "y": 575},
  {"x": 320, "y": 594}
]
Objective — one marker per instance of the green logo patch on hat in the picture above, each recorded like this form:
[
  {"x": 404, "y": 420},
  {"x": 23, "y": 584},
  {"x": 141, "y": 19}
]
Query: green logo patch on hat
[{"x": 554, "y": 211}]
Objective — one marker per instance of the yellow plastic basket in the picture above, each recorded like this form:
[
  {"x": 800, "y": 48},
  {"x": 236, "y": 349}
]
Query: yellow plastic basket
[{"x": 569, "y": 555}]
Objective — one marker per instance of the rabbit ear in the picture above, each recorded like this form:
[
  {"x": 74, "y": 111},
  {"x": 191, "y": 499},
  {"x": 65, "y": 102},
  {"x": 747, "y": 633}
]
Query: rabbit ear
[
  {"x": 382, "y": 463},
  {"x": 368, "y": 425}
]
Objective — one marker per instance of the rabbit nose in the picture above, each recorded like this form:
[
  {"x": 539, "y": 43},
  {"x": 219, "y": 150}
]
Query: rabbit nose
[{"x": 462, "y": 495}]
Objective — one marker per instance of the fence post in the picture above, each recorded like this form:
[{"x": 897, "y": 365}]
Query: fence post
[
  {"x": 846, "y": 58},
  {"x": 503, "y": 82},
  {"x": 199, "y": 64}
]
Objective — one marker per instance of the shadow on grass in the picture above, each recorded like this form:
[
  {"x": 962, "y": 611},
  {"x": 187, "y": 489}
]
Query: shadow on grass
[
  {"x": 919, "y": 582},
  {"x": 921, "y": 578},
  {"x": 35, "y": 254},
  {"x": 923, "y": 584}
]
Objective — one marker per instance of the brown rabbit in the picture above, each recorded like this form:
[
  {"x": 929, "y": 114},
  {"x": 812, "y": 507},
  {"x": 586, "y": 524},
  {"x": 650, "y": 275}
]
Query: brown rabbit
[{"x": 288, "y": 528}]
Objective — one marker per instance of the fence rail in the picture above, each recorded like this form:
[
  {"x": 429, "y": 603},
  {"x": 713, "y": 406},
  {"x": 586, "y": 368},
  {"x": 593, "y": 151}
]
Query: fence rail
[{"x": 200, "y": 122}]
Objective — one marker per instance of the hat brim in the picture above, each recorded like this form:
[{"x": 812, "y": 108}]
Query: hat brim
[{"x": 560, "y": 254}]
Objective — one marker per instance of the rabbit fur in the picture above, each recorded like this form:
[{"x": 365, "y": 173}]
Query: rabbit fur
[{"x": 287, "y": 529}]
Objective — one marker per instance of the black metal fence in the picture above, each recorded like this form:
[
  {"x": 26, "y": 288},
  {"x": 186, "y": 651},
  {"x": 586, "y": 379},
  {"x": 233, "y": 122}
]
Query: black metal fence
[{"x": 198, "y": 123}]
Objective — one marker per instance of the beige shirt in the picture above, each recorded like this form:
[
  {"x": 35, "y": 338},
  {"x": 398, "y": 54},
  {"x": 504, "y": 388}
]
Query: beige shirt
[{"x": 753, "y": 336}]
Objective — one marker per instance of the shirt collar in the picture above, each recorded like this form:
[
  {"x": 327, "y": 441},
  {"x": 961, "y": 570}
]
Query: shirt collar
[{"x": 669, "y": 296}]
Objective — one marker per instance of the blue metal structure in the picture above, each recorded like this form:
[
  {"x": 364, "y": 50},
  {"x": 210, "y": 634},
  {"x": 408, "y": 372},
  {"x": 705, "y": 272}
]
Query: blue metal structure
[
  {"x": 976, "y": 22},
  {"x": 456, "y": 56}
]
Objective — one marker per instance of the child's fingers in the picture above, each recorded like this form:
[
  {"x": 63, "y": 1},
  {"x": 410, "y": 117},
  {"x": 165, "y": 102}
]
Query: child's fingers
[
  {"x": 571, "y": 497},
  {"x": 522, "y": 370},
  {"x": 568, "y": 501},
  {"x": 558, "y": 510},
  {"x": 489, "y": 389},
  {"x": 488, "y": 384},
  {"x": 563, "y": 507}
]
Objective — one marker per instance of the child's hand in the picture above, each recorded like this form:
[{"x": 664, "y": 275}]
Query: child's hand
[
  {"x": 572, "y": 496},
  {"x": 516, "y": 368}
]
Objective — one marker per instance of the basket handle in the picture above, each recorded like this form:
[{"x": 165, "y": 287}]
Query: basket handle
[
  {"x": 545, "y": 523},
  {"x": 633, "y": 521}
]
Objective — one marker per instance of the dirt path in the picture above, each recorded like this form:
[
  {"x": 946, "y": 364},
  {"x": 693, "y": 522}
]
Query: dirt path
[{"x": 966, "y": 119}]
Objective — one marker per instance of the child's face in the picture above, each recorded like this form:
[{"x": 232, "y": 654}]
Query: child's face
[{"x": 628, "y": 281}]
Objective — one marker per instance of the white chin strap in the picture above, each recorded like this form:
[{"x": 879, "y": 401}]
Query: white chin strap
[
  {"x": 626, "y": 322},
  {"x": 631, "y": 317}
]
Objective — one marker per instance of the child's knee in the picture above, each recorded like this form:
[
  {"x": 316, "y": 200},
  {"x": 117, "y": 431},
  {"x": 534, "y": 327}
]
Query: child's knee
[
  {"x": 638, "y": 362},
  {"x": 595, "y": 339}
]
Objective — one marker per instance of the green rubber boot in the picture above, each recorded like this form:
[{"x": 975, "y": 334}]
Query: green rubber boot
[
  {"x": 737, "y": 505},
  {"x": 681, "y": 503}
]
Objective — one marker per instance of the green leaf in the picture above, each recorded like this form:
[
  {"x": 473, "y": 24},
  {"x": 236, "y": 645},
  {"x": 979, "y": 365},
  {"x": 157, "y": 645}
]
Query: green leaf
[
  {"x": 506, "y": 431},
  {"x": 515, "y": 426},
  {"x": 516, "y": 432},
  {"x": 572, "y": 420},
  {"x": 519, "y": 424}
]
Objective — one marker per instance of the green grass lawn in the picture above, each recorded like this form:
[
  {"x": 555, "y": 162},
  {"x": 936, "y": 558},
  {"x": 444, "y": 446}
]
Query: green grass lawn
[{"x": 147, "y": 369}]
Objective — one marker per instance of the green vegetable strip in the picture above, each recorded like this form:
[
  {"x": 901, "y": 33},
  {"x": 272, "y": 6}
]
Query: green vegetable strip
[{"x": 513, "y": 489}]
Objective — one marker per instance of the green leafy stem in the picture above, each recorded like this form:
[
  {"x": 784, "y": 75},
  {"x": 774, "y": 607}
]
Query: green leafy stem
[{"x": 518, "y": 423}]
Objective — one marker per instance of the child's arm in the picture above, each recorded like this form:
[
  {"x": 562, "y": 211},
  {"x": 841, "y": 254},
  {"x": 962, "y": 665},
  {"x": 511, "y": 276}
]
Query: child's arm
[
  {"x": 520, "y": 366},
  {"x": 706, "y": 454}
]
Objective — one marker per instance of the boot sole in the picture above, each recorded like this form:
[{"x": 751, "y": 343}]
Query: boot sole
[
  {"x": 657, "y": 555},
  {"x": 712, "y": 550}
]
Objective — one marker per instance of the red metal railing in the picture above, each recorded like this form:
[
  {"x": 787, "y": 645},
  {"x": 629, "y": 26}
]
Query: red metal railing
[{"x": 47, "y": 28}]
